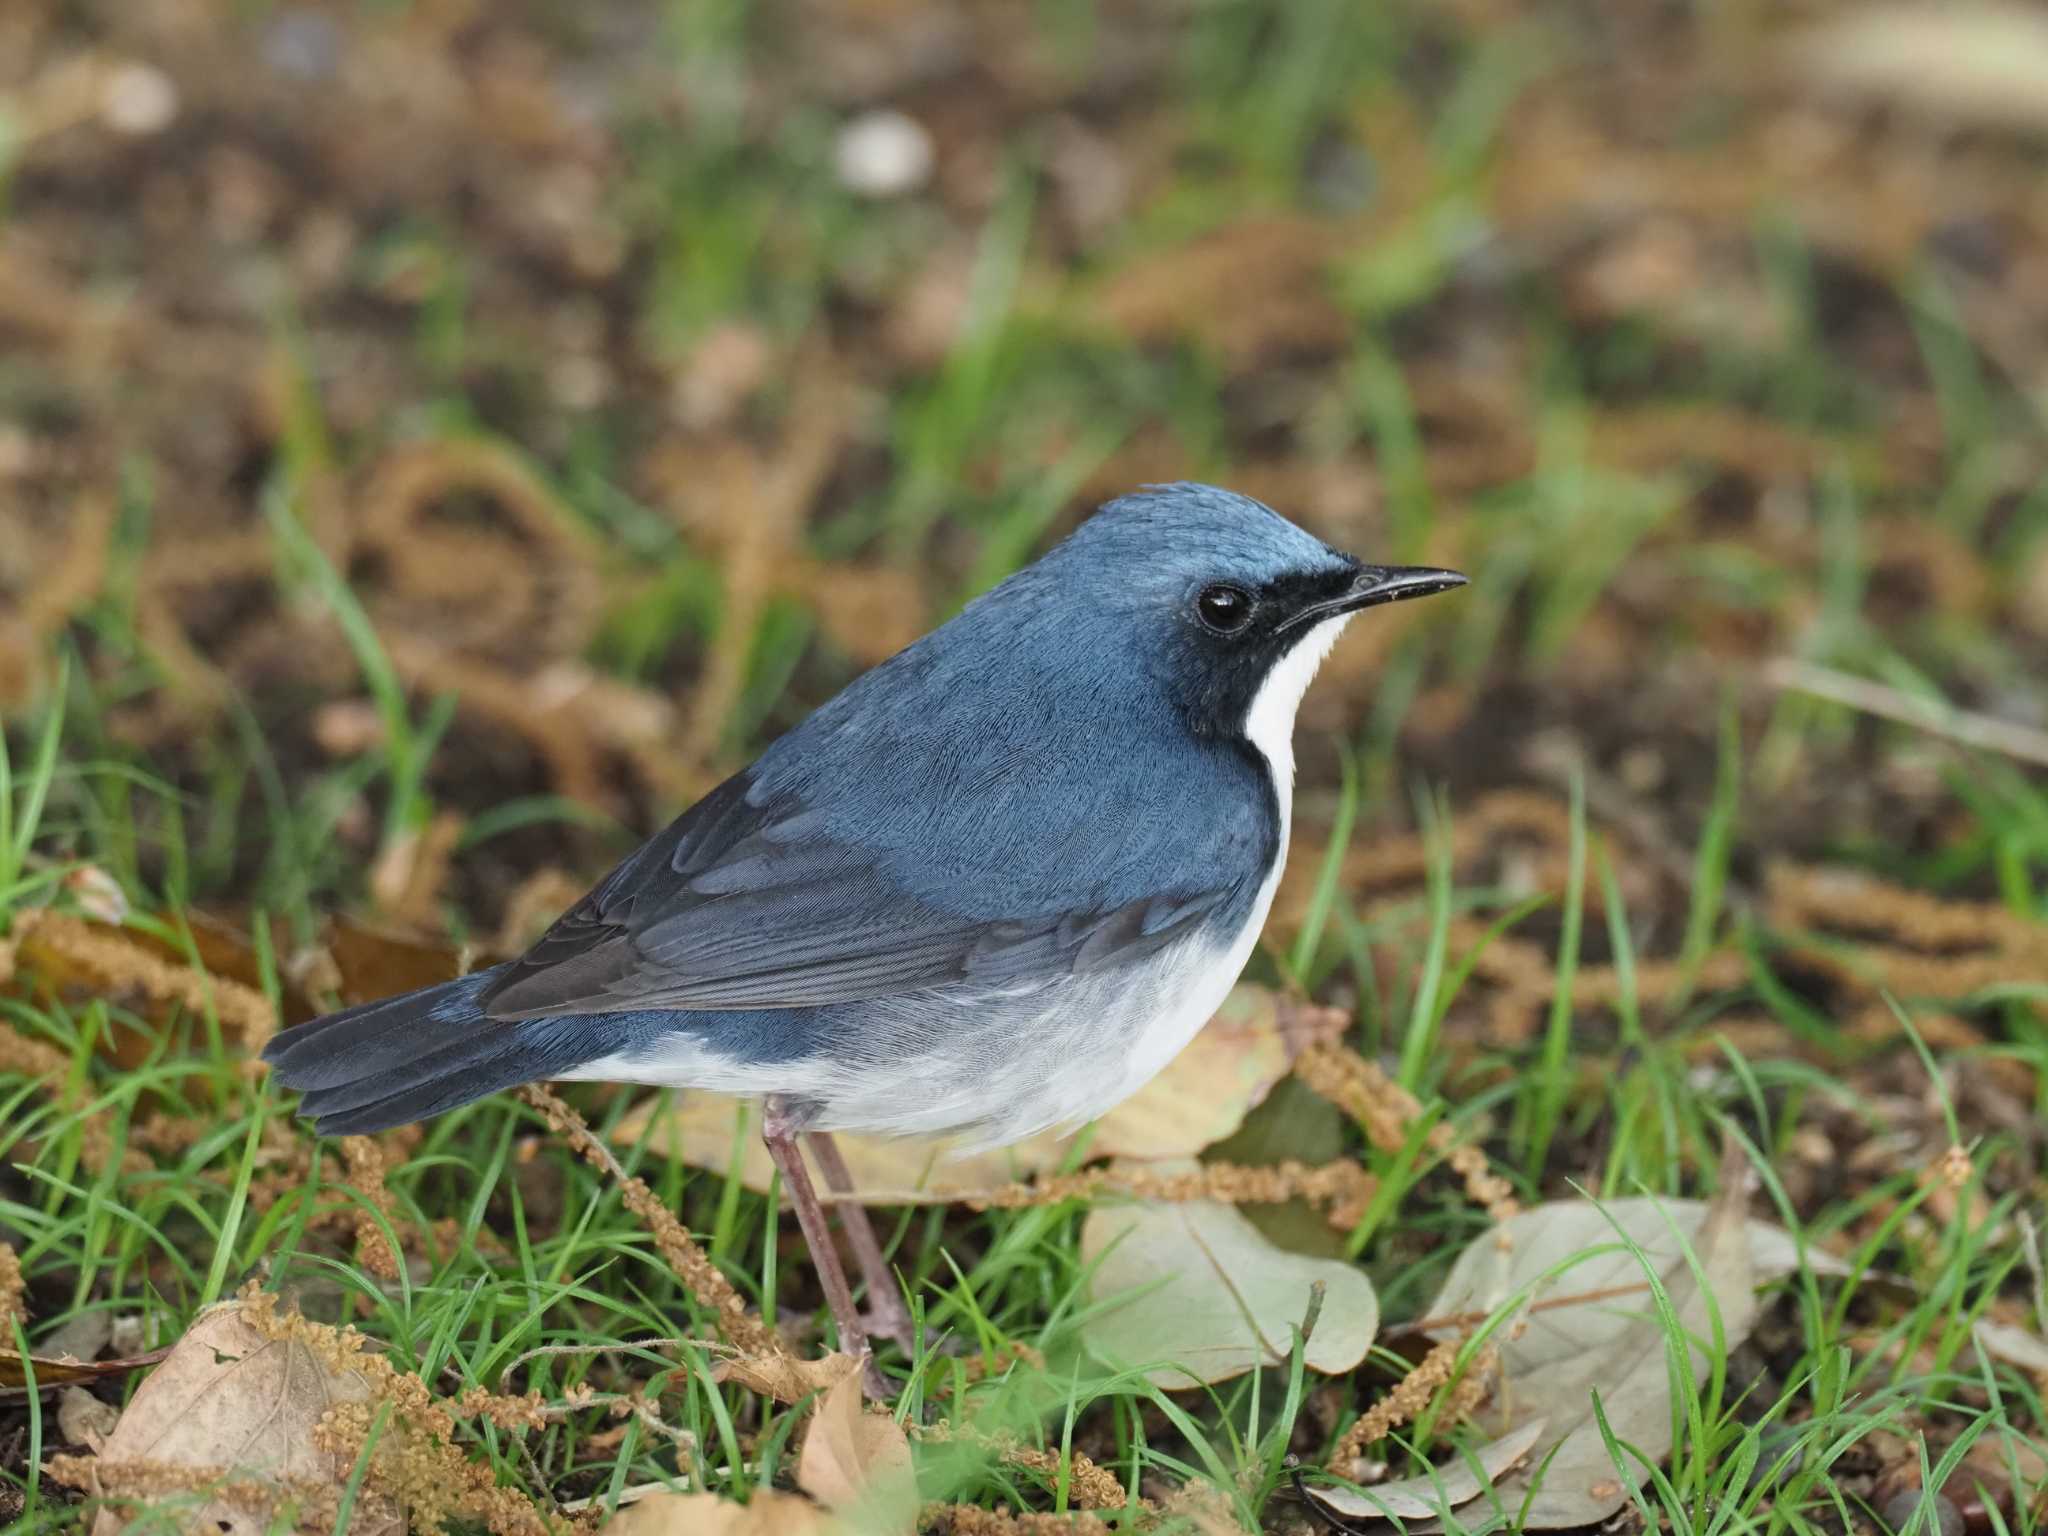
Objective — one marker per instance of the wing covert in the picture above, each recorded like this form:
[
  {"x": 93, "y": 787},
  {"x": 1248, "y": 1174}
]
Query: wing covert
[{"x": 739, "y": 905}]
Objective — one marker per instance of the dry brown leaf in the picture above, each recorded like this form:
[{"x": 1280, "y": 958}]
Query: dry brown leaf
[
  {"x": 372, "y": 962},
  {"x": 1202, "y": 1097},
  {"x": 1522, "y": 1252},
  {"x": 767, "y": 1513},
  {"x": 230, "y": 1404},
  {"x": 61, "y": 1370},
  {"x": 784, "y": 1377},
  {"x": 857, "y": 1463},
  {"x": 83, "y": 1419}
]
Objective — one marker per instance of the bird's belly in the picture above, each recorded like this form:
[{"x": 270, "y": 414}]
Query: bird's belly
[
  {"x": 983, "y": 1067},
  {"x": 1015, "y": 1065}
]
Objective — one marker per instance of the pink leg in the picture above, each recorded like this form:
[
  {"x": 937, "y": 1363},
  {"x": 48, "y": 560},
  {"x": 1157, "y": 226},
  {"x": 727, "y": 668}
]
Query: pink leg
[
  {"x": 780, "y": 1135},
  {"x": 888, "y": 1313}
]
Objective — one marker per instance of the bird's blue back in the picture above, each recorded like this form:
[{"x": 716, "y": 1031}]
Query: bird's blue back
[{"x": 1037, "y": 752}]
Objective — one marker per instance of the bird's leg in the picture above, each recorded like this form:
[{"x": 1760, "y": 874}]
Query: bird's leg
[
  {"x": 888, "y": 1313},
  {"x": 780, "y": 1133}
]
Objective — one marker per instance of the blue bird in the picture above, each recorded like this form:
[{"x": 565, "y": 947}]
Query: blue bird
[{"x": 989, "y": 889}]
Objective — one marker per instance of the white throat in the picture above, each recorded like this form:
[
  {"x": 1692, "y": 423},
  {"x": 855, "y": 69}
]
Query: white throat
[{"x": 1269, "y": 723}]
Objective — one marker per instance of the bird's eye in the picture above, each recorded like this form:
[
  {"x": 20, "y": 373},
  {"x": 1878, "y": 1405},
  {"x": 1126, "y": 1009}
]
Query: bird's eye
[{"x": 1225, "y": 610}]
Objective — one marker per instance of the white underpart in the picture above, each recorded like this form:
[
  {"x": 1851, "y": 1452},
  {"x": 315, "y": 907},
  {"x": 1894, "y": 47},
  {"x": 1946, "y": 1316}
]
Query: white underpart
[{"x": 1082, "y": 1050}]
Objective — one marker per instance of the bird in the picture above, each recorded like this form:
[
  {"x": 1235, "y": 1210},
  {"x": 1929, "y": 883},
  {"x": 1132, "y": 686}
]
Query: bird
[{"x": 987, "y": 890}]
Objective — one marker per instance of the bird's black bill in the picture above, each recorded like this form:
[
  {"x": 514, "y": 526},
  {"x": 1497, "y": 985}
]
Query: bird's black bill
[{"x": 1372, "y": 585}]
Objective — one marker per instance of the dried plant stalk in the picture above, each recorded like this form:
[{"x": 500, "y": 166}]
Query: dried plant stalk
[
  {"x": 13, "y": 1287},
  {"x": 1343, "y": 1185},
  {"x": 690, "y": 1263},
  {"x": 1387, "y": 1110},
  {"x": 1410, "y": 1396},
  {"x": 1089, "y": 1484},
  {"x": 112, "y": 962},
  {"x": 973, "y": 1520},
  {"x": 365, "y": 1161}
]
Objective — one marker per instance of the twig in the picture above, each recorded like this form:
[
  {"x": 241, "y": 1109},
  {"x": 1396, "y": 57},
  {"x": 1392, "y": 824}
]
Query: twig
[{"x": 1933, "y": 716}]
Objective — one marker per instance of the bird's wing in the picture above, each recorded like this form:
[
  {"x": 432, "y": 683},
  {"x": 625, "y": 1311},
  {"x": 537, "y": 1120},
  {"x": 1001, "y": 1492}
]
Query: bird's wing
[{"x": 739, "y": 905}]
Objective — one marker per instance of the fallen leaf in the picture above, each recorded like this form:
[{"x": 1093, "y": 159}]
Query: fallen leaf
[
  {"x": 1539, "y": 1239},
  {"x": 784, "y": 1377},
  {"x": 1208, "y": 1298},
  {"x": 61, "y": 1370},
  {"x": 1294, "y": 1123},
  {"x": 376, "y": 962},
  {"x": 857, "y": 1463},
  {"x": 1619, "y": 1352},
  {"x": 2014, "y": 1345},
  {"x": 1201, "y": 1097},
  {"x": 227, "y": 1400},
  {"x": 767, "y": 1513},
  {"x": 1448, "y": 1487}
]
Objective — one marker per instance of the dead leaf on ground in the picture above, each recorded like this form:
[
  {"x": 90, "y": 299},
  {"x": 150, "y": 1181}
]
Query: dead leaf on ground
[
  {"x": 1201, "y": 1097},
  {"x": 228, "y": 1401},
  {"x": 767, "y": 1513},
  {"x": 1451, "y": 1486},
  {"x": 2012, "y": 1344},
  {"x": 857, "y": 1463},
  {"x": 1487, "y": 1273},
  {"x": 1207, "y": 1297},
  {"x": 1617, "y": 1350},
  {"x": 373, "y": 962},
  {"x": 59, "y": 1371},
  {"x": 784, "y": 1377}
]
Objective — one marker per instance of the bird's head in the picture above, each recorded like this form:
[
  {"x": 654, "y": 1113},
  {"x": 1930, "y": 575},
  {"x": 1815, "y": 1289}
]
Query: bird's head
[{"x": 1224, "y": 602}]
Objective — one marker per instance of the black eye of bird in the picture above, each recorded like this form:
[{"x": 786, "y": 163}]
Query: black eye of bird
[{"x": 1222, "y": 609}]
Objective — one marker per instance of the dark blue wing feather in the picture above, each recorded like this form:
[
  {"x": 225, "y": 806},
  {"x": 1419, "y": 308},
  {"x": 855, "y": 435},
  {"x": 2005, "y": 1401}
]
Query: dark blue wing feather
[{"x": 744, "y": 905}]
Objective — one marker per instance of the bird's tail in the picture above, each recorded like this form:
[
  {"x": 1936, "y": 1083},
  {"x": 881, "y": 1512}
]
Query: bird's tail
[{"x": 409, "y": 1057}]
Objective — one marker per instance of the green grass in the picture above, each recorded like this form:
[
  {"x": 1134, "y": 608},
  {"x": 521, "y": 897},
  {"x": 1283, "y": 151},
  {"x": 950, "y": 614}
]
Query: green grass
[
  {"x": 963, "y": 469},
  {"x": 576, "y": 1270}
]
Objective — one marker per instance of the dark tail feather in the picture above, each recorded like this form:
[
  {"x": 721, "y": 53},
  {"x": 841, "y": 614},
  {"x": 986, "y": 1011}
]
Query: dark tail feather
[{"x": 405, "y": 1058}]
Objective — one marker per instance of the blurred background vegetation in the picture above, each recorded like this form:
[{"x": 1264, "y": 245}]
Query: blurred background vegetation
[
  {"x": 644, "y": 371},
  {"x": 439, "y": 439}
]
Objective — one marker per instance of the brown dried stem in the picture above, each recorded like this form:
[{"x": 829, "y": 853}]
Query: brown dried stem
[{"x": 690, "y": 1264}]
